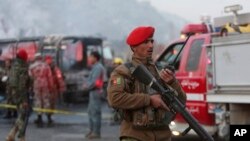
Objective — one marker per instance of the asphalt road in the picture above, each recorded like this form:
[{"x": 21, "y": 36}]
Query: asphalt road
[{"x": 71, "y": 127}]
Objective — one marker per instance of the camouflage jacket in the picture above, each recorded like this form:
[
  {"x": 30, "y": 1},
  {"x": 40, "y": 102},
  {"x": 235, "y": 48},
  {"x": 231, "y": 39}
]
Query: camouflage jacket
[{"x": 19, "y": 80}]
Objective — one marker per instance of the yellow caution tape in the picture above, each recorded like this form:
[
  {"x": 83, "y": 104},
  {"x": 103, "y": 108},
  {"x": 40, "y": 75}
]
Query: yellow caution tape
[{"x": 53, "y": 111}]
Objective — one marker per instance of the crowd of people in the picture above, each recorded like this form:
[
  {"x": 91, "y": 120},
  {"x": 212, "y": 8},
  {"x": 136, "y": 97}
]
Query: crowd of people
[
  {"x": 42, "y": 80},
  {"x": 142, "y": 112},
  {"x": 39, "y": 79}
]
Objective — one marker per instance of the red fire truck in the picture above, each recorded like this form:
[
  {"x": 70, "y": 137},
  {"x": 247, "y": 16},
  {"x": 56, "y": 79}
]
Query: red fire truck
[
  {"x": 190, "y": 70},
  {"x": 212, "y": 71}
]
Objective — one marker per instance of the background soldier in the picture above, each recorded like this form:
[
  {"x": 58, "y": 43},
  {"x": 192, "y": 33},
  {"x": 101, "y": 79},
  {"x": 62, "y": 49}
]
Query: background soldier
[
  {"x": 95, "y": 85},
  {"x": 144, "y": 112},
  {"x": 58, "y": 86},
  {"x": 10, "y": 112},
  {"x": 19, "y": 83},
  {"x": 43, "y": 81}
]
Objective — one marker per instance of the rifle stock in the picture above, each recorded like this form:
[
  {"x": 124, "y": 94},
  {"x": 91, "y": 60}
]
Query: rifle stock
[{"x": 143, "y": 75}]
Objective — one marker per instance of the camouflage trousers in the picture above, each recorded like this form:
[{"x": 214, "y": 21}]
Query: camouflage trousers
[
  {"x": 43, "y": 99},
  {"x": 10, "y": 96},
  {"x": 10, "y": 99},
  {"x": 19, "y": 125}
]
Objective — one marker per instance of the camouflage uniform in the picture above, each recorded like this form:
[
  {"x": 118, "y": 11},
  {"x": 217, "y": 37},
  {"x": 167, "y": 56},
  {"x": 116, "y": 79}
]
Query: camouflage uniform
[
  {"x": 94, "y": 105},
  {"x": 8, "y": 90},
  {"x": 43, "y": 81},
  {"x": 19, "y": 82},
  {"x": 9, "y": 96}
]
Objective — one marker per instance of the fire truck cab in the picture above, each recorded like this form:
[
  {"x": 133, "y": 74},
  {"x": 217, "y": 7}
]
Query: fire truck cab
[{"x": 190, "y": 70}]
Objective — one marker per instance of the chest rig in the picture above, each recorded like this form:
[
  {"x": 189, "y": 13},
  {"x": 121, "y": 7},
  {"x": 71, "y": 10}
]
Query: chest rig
[{"x": 146, "y": 117}]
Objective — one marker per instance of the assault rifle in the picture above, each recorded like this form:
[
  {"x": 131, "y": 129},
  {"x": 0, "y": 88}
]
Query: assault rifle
[{"x": 142, "y": 74}]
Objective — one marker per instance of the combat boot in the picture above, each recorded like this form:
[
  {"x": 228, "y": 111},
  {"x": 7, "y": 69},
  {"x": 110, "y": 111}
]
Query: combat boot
[
  {"x": 22, "y": 138},
  {"x": 50, "y": 121},
  {"x": 12, "y": 134},
  {"x": 10, "y": 138},
  {"x": 39, "y": 121}
]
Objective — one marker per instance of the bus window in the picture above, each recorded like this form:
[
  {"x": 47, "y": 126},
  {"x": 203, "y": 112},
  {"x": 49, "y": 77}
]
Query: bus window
[{"x": 72, "y": 57}]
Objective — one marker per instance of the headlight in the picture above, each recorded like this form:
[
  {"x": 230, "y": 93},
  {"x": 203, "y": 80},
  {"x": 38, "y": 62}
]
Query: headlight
[{"x": 175, "y": 133}]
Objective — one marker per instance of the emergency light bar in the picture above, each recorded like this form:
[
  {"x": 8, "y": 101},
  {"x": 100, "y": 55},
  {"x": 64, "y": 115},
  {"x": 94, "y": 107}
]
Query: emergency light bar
[{"x": 194, "y": 28}]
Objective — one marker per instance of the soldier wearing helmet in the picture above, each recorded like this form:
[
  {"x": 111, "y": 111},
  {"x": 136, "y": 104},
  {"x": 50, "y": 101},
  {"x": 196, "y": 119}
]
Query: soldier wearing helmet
[{"x": 117, "y": 61}]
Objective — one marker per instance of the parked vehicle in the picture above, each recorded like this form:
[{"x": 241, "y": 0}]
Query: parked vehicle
[
  {"x": 213, "y": 72},
  {"x": 70, "y": 53},
  {"x": 190, "y": 70}
]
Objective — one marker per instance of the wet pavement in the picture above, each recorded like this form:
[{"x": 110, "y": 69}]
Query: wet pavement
[
  {"x": 71, "y": 127},
  {"x": 66, "y": 127}
]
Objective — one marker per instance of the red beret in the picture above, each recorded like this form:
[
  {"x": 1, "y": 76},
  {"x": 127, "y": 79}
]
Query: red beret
[
  {"x": 48, "y": 59},
  {"x": 22, "y": 54},
  {"x": 139, "y": 35}
]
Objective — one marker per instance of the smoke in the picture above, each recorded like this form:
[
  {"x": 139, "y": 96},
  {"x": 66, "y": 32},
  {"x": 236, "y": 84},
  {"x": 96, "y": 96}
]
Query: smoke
[
  {"x": 112, "y": 19},
  {"x": 22, "y": 18}
]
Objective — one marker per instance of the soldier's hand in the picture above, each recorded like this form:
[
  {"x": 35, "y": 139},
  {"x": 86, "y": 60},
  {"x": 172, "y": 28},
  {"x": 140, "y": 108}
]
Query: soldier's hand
[
  {"x": 167, "y": 75},
  {"x": 157, "y": 102}
]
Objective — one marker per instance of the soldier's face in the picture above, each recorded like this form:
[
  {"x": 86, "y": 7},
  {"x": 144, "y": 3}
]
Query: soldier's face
[{"x": 145, "y": 49}]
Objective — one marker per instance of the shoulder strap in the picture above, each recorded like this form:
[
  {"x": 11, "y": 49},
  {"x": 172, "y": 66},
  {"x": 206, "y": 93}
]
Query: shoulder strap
[{"x": 130, "y": 66}]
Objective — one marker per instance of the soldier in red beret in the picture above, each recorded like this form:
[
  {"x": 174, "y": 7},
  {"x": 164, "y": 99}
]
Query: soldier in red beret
[
  {"x": 19, "y": 83},
  {"x": 22, "y": 54},
  {"x": 143, "y": 112}
]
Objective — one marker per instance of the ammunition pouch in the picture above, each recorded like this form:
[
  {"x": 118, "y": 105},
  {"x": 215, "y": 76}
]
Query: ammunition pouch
[
  {"x": 151, "y": 118},
  {"x": 123, "y": 115}
]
